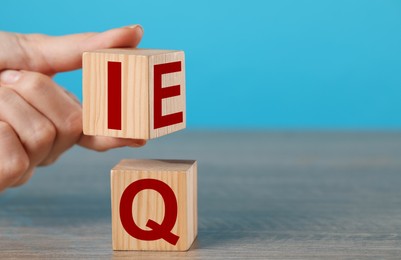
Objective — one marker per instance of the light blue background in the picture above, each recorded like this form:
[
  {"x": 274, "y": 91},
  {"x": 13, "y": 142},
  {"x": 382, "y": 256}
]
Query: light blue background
[{"x": 255, "y": 64}]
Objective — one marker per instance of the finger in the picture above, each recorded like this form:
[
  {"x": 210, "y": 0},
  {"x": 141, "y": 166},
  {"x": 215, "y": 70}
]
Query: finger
[
  {"x": 72, "y": 96},
  {"x": 14, "y": 160},
  {"x": 49, "y": 55},
  {"x": 35, "y": 131},
  {"x": 103, "y": 143},
  {"x": 63, "y": 111},
  {"x": 52, "y": 101},
  {"x": 65, "y": 53},
  {"x": 25, "y": 177}
]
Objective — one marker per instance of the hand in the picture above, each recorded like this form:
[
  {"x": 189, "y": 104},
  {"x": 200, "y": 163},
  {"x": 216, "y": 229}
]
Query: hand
[{"x": 39, "y": 120}]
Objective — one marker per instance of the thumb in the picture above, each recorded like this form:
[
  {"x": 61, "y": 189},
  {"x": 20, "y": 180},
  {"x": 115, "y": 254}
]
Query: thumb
[
  {"x": 103, "y": 143},
  {"x": 49, "y": 55},
  {"x": 65, "y": 53}
]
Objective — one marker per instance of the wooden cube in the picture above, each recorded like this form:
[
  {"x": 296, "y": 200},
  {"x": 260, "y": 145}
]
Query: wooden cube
[
  {"x": 154, "y": 205},
  {"x": 133, "y": 93}
]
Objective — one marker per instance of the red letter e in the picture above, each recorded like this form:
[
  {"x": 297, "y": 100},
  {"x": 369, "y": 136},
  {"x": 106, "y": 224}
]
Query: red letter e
[{"x": 161, "y": 93}]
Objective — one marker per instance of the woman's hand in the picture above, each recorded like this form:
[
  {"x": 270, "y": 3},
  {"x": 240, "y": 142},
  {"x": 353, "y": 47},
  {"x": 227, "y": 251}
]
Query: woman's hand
[{"x": 39, "y": 120}]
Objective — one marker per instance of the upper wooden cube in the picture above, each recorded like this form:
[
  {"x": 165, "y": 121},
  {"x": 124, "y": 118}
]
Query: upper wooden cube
[{"x": 133, "y": 93}]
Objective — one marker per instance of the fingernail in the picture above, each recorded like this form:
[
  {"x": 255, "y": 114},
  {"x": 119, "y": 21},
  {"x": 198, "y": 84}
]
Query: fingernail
[
  {"x": 10, "y": 76},
  {"x": 136, "y": 26}
]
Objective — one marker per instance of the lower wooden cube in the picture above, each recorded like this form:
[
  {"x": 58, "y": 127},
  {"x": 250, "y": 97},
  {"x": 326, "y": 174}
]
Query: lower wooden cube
[{"x": 154, "y": 205}]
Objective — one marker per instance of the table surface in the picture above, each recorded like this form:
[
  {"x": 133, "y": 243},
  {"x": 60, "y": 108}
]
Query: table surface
[{"x": 261, "y": 195}]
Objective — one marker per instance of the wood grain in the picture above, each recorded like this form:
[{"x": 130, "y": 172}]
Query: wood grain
[
  {"x": 262, "y": 195},
  {"x": 181, "y": 177},
  {"x": 137, "y": 92},
  {"x": 169, "y": 105}
]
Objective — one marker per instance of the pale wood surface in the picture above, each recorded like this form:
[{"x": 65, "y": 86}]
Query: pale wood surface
[
  {"x": 261, "y": 195},
  {"x": 137, "y": 92},
  {"x": 181, "y": 176}
]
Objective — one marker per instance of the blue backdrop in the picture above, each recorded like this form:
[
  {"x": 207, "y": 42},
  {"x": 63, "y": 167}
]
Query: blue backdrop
[{"x": 255, "y": 64}]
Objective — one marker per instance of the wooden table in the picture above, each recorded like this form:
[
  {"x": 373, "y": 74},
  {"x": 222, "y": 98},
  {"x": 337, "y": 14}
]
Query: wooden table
[{"x": 261, "y": 195}]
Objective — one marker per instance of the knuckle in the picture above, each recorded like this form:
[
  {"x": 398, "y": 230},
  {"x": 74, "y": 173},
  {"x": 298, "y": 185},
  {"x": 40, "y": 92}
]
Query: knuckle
[
  {"x": 43, "y": 134},
  {"x": 14, "y": 168},
  {"x": 37, "y": 82},
  {"x": 73, "y": 124},
  {"x": 15, "y": 164}
]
